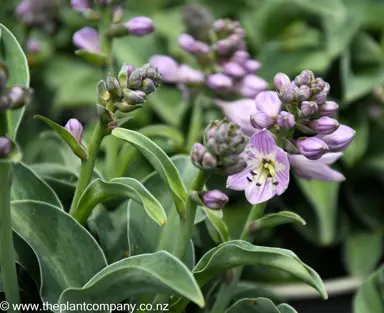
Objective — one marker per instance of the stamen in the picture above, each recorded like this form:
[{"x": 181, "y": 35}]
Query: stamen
[
  {"x": 249, "y": 179},
  {"x": 253, "y": 173},
  {"x": 269, "y": 175},
  {"x": 276, "y": 183},
  {"x": 258, "y": 184}
]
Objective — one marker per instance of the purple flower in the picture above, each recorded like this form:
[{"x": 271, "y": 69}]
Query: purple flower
[
  {"x": 79, "y": 5},
  {"x": 5, "y": 146},
  {"x": 214, "y": 199},
  {"x": 267, "y": 171},
  {"x": 316, "y": 169},
  {"x": 168, "y": 67},
  {"x": 87, "y": 38},
  {"x": 190, "y": 76},
  {"x": 280, "y": 80},
  {"x": 251, "y": 85},
  {"x": 219, "y": 82},
  {"x": 252, "y": 66},
  {"x": 75, "y": 128},
  {"x": 308, "y": 108},
  {"x": 140, "y": 26},
  {"x": 33, "y": 46},
  {"x": 187, "y": 42},
  {"x": 238, "y": 112},
  {"x": 339, "y": 140},
  {"x": 261, "y": 120},
  {"x": 304, "y": 78},
  {"x": 268, "y": 102},
  {"x": 312, "y": 148},
  {"x": 324, "y": 125},
  {"x": 233, "y": 69},
  {"x": 328, "y": 108},
  {"x": 286, "y": 120}
]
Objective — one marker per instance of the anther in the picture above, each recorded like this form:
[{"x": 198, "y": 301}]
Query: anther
[
  {"x": 253, "y": 173},
  {"x": 249, "y": 179},
  {"x": 258, "y": 184}
]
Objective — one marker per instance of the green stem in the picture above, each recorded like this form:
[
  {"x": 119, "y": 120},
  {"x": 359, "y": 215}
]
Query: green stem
[
  {"x": 7, "y": 252},
  {"x": 224, "y": 296},
  {"x": 86, "y": 171}
]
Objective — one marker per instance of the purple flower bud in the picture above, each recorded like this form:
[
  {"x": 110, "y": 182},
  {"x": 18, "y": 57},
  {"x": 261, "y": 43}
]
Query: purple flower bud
[
  {"x": 252, "y": 66},
  {"x": 33, "y": 46},
  {"x": 19, "y": 96},
  {"x": 75, "y": 128},
  {"x": 320, "y": 98},
  {"x": 339, "y": 140},
  {"x": 308, "y": 108},
  {"x": 190, "y": 76},
  {"x": 312, "y": 148},
  {"x": 187, "y": 42},
  {"x": 324, "y": 125},
  {"x": 201, "y": 48},
  {"x": 124, "y": 73},
  {"x": 305, "y": 78},
  {"x": 140, "y": 26},
  {"x": 303, "y": 93},
  {"x": 167, "y": 67},
  {"x": 233, "y": 69},
  {"x": 134, "y": 97},
  {"x": 280, "y": 81},
  {"x": 219, "y": 83},
  {"x": 286, "y": 120},
  {"x": 251, "y": 85},
  {"x": 262, "y": 120},
  {"x": 79, "y": 5},
  {"x": 214, "y": 199},
  {"x": 5, "y": 147},
  {"x": 320, "y": 83},
  {"x": 240, "y": 57},
  {"x": 201, "y": 158},
  {"x": 288, "y": 93},
  {"x": 328, "y": 108},
  {"x": 113, "y": 86},
  {"x": 87, "y": 38}
]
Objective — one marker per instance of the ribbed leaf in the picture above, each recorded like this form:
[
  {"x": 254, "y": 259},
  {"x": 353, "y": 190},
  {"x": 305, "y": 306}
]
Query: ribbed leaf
[
  {"x": 259, "y": 305},
  {"x": 276, "y": 219}
]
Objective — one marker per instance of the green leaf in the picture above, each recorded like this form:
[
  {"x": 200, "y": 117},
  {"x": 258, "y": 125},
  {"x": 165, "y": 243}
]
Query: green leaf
[
  {"x": 99, "y": 191},
  {"x": 76, "y": 147},
  {"x": 218, "y": 224},
  {"x": 92, "y": 57},
  {"x": 362, "y": 252},
  {"x": 323, "y": 198},
  {"x": 68, "y": 255},
  {"x": 259, "y": 305},
  {"x": 275, "y": 219},
  {"x": 27, "y": 185},
  {"x": 369, "y": 297},
  {"x": 158, "y": 272},
  {"x": 13, "y": 55},
  {"x": 173, "y": 135},
  {"x": 240, "y": 253},
  {"x": 161, "y": 162}
]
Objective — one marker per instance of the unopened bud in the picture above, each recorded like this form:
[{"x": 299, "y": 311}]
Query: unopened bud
[
  {"x": 75, "y": 128},
  {"x": 303, "y": 93},
  {"x": 305, "y": 78},
  {"x": 280, "y": 81},
  {"x": 134, "y": 97},
  {"x": 312, "y": 148},
  {"x": 140, "y": 26},
  {"x": 262, "y": 120},
  {"x": 214, "y": 199},
  {"x": 19, "y": 96},
  {"x": 328, "y": 108},
  {"x": 125, "y": 72},
  {"x": 126, "y": 107},
  {"x": 5, "y": 102},
  {"x": 201, "y": 158},
  {"x": 286, "y": 120},
  {"x": 324, "y": 125},
  {"x": 113, "y": 86},
  {"x": 5, "y": 147},
  {"x": 308, "y": 108},
  {"x": 339, "y": 140},
  {"x": 136, "y": 77},
  {"x": 148, "y": 86},
  {"x": 219, "y": 82}
]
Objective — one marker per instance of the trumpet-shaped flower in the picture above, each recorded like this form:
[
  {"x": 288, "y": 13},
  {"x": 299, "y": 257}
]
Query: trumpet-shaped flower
[{"x": 267, "y": 170}]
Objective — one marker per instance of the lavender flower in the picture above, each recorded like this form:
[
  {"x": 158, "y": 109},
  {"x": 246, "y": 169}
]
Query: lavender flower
[
  {"x": 80, "y": 5},
  {"x": 193, "y": 46},
  {"x": 267, "y": 171},
  {"x": 252, "y": 66},
  {"x": 324, "y": 125},
  {"x": 316, "y": 169},
  {"x": 308, "y": 108},
  {"x": 214, "y": 199},
  {"x": 233, "y": 69},
  {"x": 261, "y": 120},
  {"x": 328, "y": 108},
  {"x": 5, "y": 147},
  {"x": 312, "y": 148},
  {"x": 87, "y": 38},
  {"x": 219, "y": 83},
  {"x": 339, "y": 140},
  {"x": 251, "y": 85},
  {"x": 168, "y": 67},
  {"x": 140, "y": 26},
  {"x": 240, "y": 57},
  {"x": 190, "y": 76},
  {"x": 75, "y": 128},
  {"x": 286, "y": 120}
]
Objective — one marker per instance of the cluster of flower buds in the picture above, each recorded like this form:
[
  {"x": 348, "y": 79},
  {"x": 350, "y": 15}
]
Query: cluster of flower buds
[
  {"x": 14, "y": 97},
  {"x": 128, "y": 92},
  {"x": 308, "y": 112},
  {"x": 224, "y": 143},
  {"x": 38, "y": 13}
]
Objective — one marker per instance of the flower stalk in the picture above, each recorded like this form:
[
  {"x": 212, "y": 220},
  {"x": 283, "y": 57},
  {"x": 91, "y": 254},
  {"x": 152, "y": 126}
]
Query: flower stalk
[{"x": 7, "y": 254}]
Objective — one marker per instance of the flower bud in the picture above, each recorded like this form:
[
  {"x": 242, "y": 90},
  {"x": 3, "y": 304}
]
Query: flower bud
[
  {"x": 280, "y": 81},
  {"x": 339, "y": 140},
  {"x": 148, "y": 86},
  {"x": 126, "y": 107},
  {"x": 251, "y": 85},
  {"x": 288, "y": 93},
  {"x": 5, "y": 102},
  {"x": 214, "y": 199},
  {"x": 303, "y": 93},
  {"x": 113, "y": 86},
  {"x": 80, "y": 4},
  {"x": 308, "y": 108},
  {"x": 328, "y": 108},
  {"x": 134, "y": 97},
  {"x": 75, "y": 128},
  {"x": 125, "y": 72},
  {"x": 5, "y": 147},
  {"x": 189, "y": 76},
  {"x": 305, "y": 78},
  {"x": 187, "y": 42},
  {"x": 136, "y": 77},
  {"x": 87, "y": 38},
  {"x": 320, "y": 98},
  {"x": 201, "y": 158},
  {"x": 219, "y": 83},
  {"x": 3, "y": 76},
  {"x": 286, "y": 120},
  {"x": 233, "y": 69},
  {"x": 167, "y": 66},
  {"x": 140, "y": 26},
  {"x": 219, "y": 25},
  {"x": 312, "y": 148},
  {"x": 324, "y": 125},
  {"x": 262, "y": 120},
  {"x": 252, "y": 66},
  {"x": 240, "y": 57},
  {"x": 19, "y": 96}
]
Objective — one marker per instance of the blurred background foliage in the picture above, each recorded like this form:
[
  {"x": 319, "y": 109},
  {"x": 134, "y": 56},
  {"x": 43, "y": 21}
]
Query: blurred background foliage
[{"x": 340, "y": 40}]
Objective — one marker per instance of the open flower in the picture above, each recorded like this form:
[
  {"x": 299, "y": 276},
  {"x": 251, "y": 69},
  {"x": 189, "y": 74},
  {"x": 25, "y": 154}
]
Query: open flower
[
  {"x": 267, "y": 170},
  {"x": 316, "y": 169}
]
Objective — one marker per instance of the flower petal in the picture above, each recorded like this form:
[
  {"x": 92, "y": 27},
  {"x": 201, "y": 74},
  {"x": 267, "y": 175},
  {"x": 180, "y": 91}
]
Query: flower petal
[
  {"x": 258, "y": 194},
  {"x": 238, "y": 181},
  {"x": 268, "y": 102},
  {"x": 263, "y": 142},
  {"x": 283, "y": 172}
]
